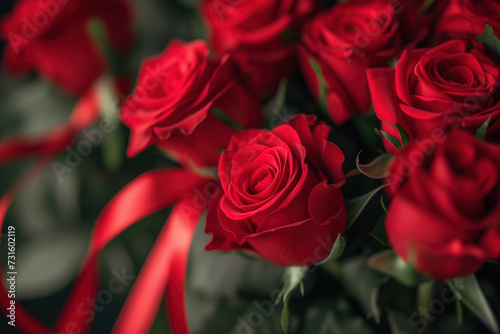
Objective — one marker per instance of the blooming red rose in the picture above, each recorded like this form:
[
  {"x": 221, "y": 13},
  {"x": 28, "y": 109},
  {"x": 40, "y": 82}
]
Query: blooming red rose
[
  {"x": 174, "y": 101},
  {"x": 444, "y": 216},
  {"x": 452, "y": 85},
  {"x": 345, "y": 41},
  {"x": 51, "y": 37},
  {"x": 253, "y": 33},
  {"x": 467, "y": 18},
  {"x": 281, "y": 196}
]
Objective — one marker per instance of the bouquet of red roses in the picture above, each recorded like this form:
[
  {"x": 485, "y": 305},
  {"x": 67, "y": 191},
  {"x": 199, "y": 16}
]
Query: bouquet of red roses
[{"x": 322, "y": 166}]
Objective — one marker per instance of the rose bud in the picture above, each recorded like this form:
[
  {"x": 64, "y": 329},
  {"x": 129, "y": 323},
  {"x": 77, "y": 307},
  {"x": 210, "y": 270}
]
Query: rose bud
[
  {"x": 444, "y": 215},
  {"x": 52, "y": 38},
  {"x": 453, "y": 85},
  {"x": 280, "y": 195},
  {"x": 253, "y": 32},
  {"x": 178, "y": 101}
]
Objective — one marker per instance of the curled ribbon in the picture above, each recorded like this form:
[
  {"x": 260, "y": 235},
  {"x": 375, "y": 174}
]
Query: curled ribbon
[
  {"x": 44, "y": 149},
  {"x": 165, "y": 269}
]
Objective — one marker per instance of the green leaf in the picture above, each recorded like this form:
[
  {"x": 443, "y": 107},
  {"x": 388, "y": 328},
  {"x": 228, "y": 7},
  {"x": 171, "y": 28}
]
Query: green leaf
[
  {"x": 292, "y": 279},
  {"x": 393, "y": 140},
  {"x": 279, "y": 98},
  {"x": 481, "y": 132},
  {"x": 379, "y": 233},
  {"x": 405, "y": 138},
  {"x": 99, "y": 35},
  {"x": 425, "y": 293},
  {"x": 389, "y": 263},
  {"x": 356, "y": 205},
  {"x": 336, "y": 252},
  {"x": 378, "y": 168},
  {"x": 490, "y": 40},
  {"x": 398, "y": 323},
  {"x": 363, "y": 285},
  {"x": 460, "y": 312},
  {"x": 468, "y": 291},
  {"x": 334, "y": 314},
  {"x": 113, "y": 148},
  {"x": 322, "y": 86},
  {"x": 275, "y": 110},
  {"x": 226, "y": 119}
]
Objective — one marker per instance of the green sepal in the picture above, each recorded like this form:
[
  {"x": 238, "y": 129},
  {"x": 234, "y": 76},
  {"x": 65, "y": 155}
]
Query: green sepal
[
  {"x": 378, "y": 168},
  {"x": 468, "y": 291},
  {"x": 383, "y": 204},
  {"x": 336, "y": 252},
  {"x": 481, "y": 132},
  {"x": 226, "y": 119},
  {"x": 292, "y": 279},
  {"x": 393, "y": 140},
  {"x": 275, "y": 111},
  {"x": 322, "y": 86},
  {"x": 490, "y": 40},
  {"x": 405, "y": 138},
  {"x": 389, "y": 263},
  {"x": 355, "y": 206}
]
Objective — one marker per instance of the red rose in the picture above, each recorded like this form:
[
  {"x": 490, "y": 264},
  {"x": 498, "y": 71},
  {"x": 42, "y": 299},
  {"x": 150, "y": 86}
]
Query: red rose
[
  {"x": 345, "y": 41},
  {"x": 253, "y": 33},
  {"x": 467, "y": 18},
  {"x": 281, "y": 196},
  {"x": 51, "y": 37},
  {"x": 174, "y": 100},
  {"x": 452, "y": 85},
  {"x": 444, "y": 216}
]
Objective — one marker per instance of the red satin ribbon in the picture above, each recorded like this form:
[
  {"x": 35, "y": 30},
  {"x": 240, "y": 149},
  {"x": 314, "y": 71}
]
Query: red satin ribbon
[
  {"x": 44, "y": 148},
  {"x": 175, "y": 298},
  {"x": 49, "y": 145},
  {"x": 150, "y": 192},
  {"x": 166, "y": 265}
]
